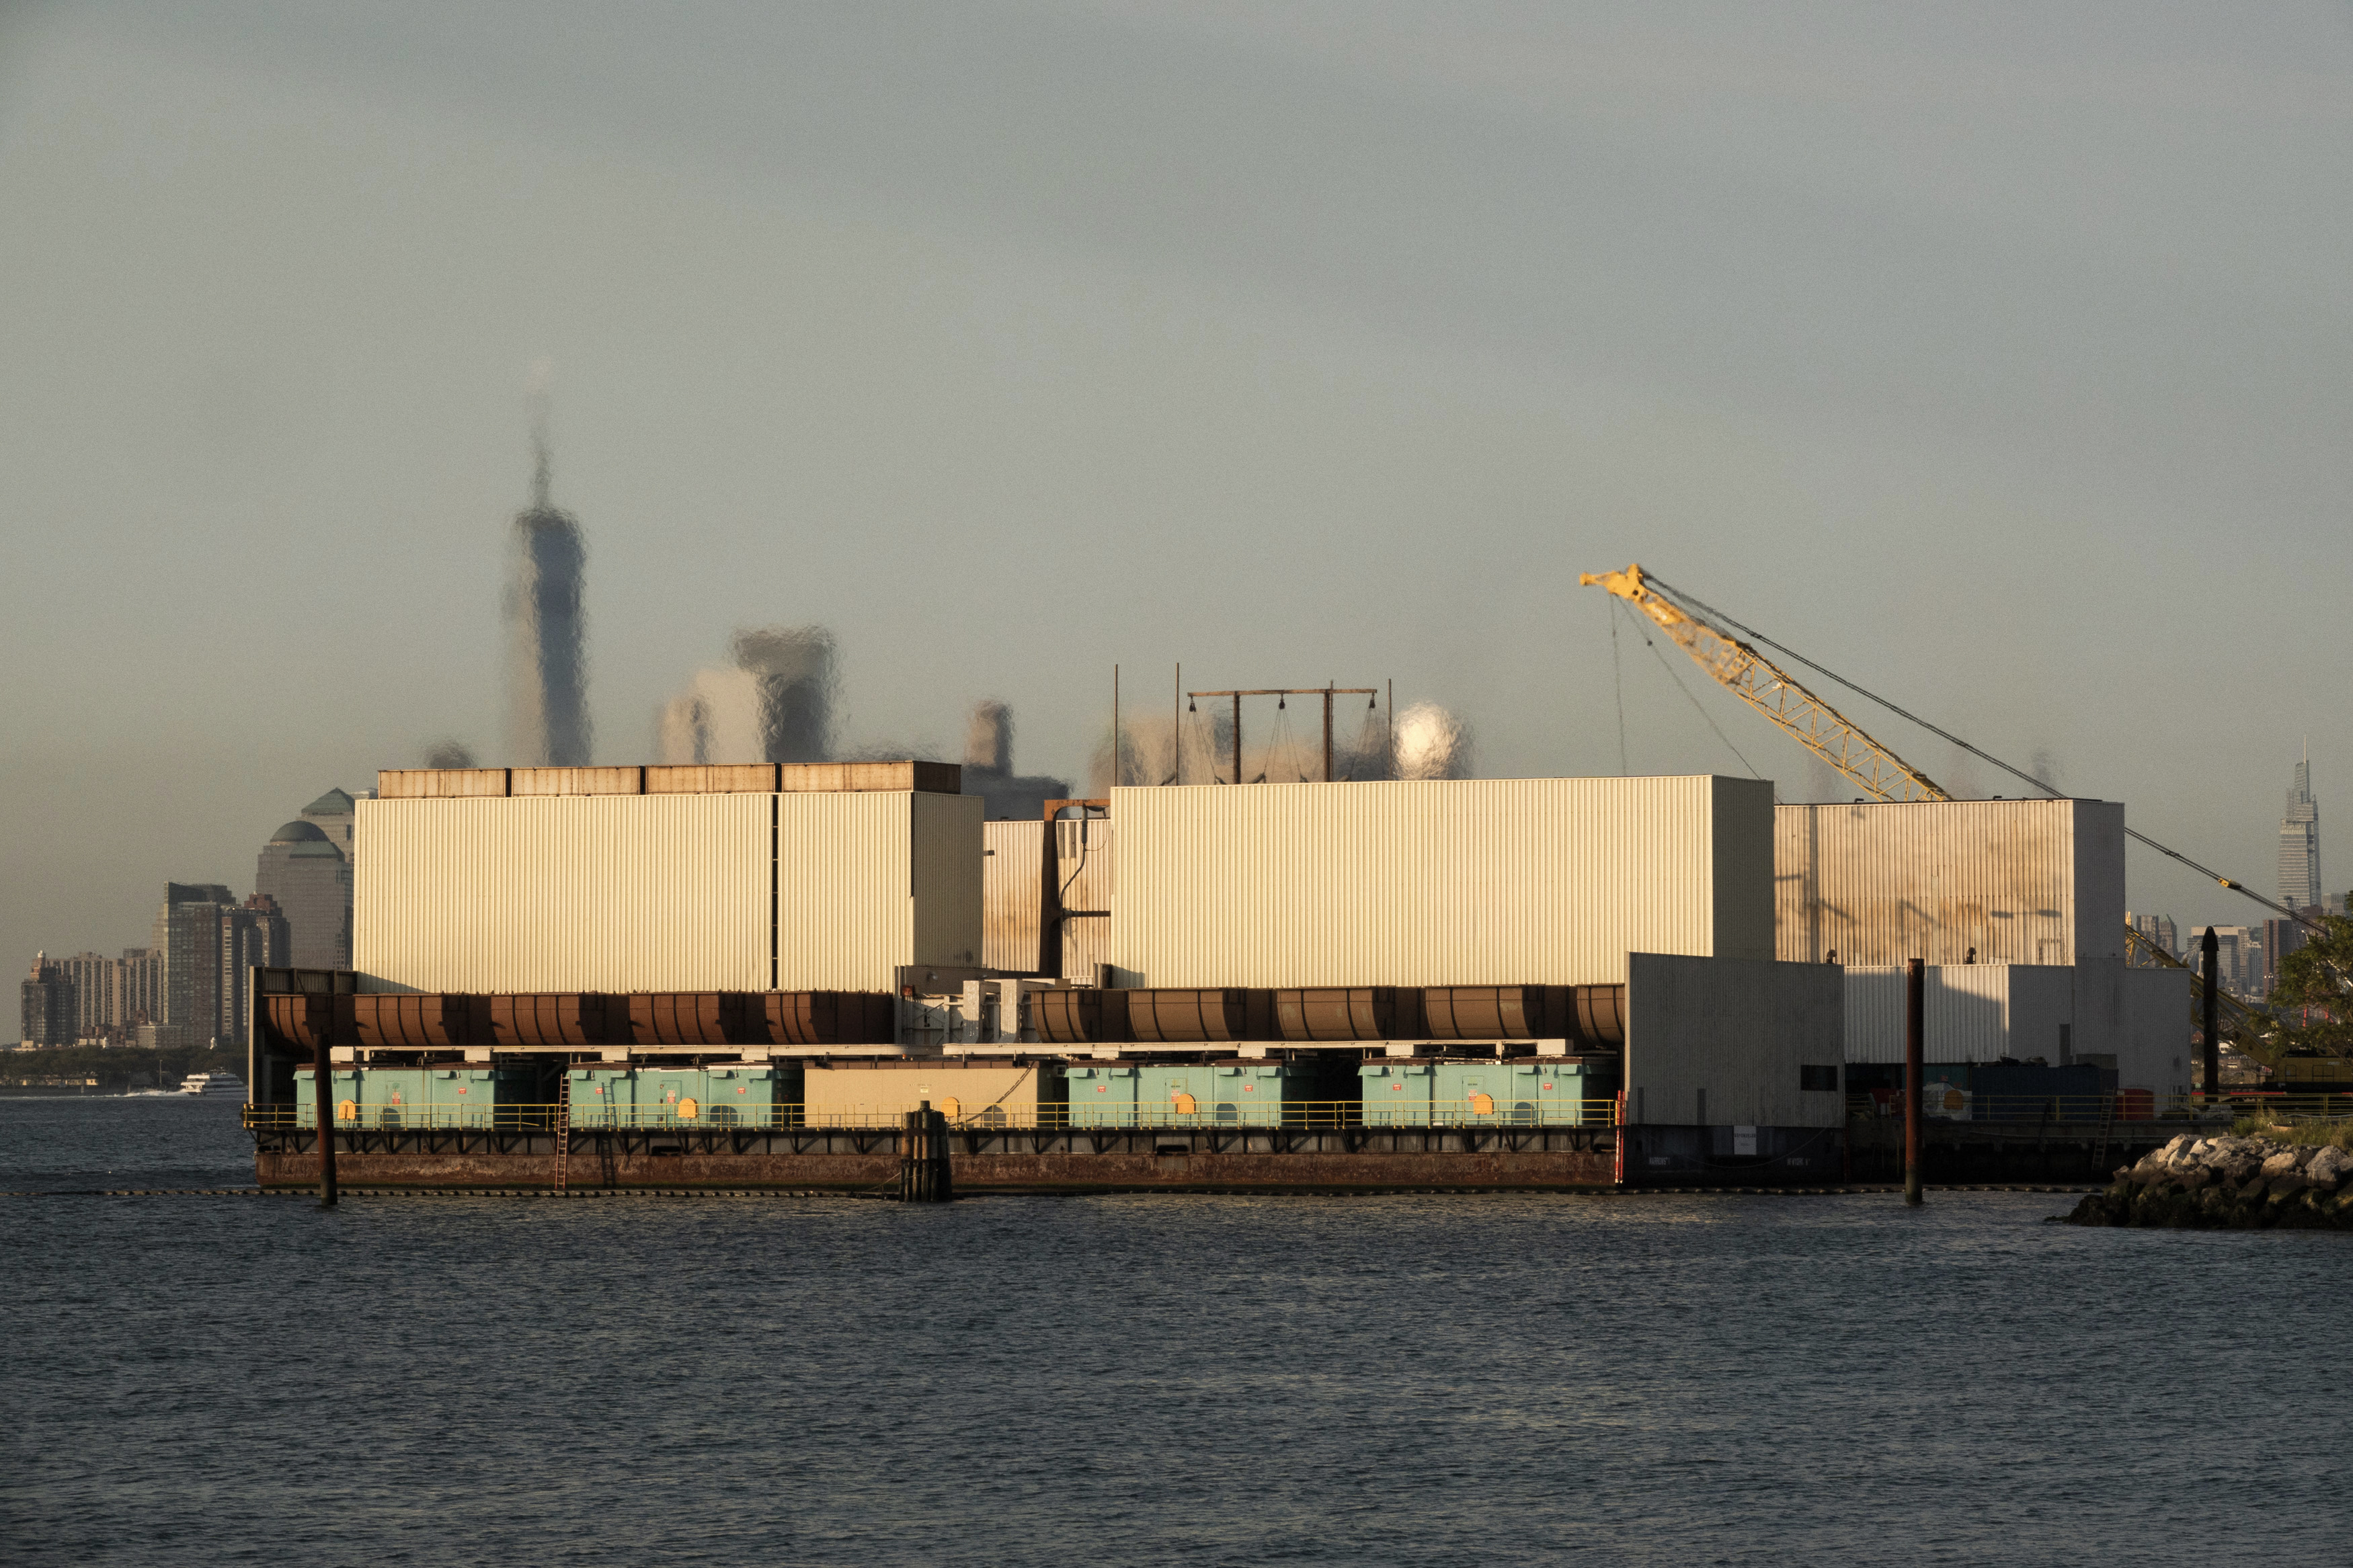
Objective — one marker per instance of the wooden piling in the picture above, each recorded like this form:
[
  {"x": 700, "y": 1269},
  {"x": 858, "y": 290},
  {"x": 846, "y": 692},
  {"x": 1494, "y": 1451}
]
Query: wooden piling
[
  {"x": 924, "y": 1174},
  {"x": 1915, "y": 1068},
  {"x": 322, "y": 1075},
  {"x": 2210, "y": 950}
]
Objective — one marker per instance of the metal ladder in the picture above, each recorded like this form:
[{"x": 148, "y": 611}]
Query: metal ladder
[{"x": 563, "y": 1133}]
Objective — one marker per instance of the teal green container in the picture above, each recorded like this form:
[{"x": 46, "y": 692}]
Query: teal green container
[
  {"x": 1517, "y": 1091},
  {"x": 1235, "y": 1094},
  {"x": 1396, "y": 1094},
  {"x": 400, "y": 1098},
  {"x": 755, "y": 1094},
  {"x": 1102, "y": 1096}
]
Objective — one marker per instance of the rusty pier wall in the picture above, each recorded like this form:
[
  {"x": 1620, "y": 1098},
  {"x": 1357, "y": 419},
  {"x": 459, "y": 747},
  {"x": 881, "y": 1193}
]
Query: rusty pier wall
[{"x": 1267, "y": 1160}]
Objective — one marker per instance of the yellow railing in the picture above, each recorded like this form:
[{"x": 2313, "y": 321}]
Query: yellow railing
[
  {"x": 1942, "y": 1103},
  {"x": 1479, "y": 1110}
]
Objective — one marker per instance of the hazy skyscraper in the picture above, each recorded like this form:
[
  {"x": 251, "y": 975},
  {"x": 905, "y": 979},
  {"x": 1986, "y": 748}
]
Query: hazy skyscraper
[
  {"x": 775, "y": 706},
  {"x": 47, "y": 1005},
  {"x": 308, "y": 879},
  {"x": 188, "y": 934},
  {"x": 2299, "y": 847},
  {"x": 547, "y": 677}
]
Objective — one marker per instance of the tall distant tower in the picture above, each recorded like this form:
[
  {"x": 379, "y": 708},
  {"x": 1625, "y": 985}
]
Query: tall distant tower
[
  {"x": 547, "y": 677},
  {"x": 2299, "y": 850}
]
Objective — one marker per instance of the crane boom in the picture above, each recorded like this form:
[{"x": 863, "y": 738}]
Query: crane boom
[
  {"x": 1844, "y": 744},
  {"x": 1774, "y": 693}
]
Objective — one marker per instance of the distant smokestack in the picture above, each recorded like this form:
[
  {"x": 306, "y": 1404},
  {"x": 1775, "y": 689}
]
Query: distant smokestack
[
  {"x": 988, "y": 739},
  {"x": 547, "y": 691}
]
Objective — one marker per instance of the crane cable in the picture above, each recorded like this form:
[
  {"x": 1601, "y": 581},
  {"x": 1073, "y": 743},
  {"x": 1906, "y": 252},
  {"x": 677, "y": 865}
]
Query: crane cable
[
  {"x": 1618, "y": 676},
  {"x": 1689, "y": 696},
  {"x": 1979, "y": 752}
]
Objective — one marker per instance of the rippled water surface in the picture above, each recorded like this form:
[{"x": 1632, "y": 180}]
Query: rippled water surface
[{"x": 1138, "y": 1380}]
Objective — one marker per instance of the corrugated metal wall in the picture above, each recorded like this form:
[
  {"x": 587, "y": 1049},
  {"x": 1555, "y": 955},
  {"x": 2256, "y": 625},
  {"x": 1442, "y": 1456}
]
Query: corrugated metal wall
[
  {"x": 1013, "y": 894},
  {"x": 1460, "y": 882},
  {"x": 1085, "y": 869},
  {"x": 870, "y": 880},
  {"x": 2021, "y": 881},
  {"x": 665, "y": 892},
  {"x": 1969, "y": 1013},
  {"x": 561, "y": 893}
]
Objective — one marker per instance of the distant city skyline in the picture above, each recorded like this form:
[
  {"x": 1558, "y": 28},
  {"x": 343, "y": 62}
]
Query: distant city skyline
[{"x": 1009, "y": 341}]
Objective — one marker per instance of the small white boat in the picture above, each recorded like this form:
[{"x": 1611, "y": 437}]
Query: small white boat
[{"x": 213, "y": 1085}]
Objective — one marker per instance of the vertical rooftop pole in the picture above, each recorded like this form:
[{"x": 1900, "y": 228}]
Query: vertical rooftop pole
[
  {"x": 1238, "y": 737},
  {"x": 2210, "y": 948},
  {"x": 1915, "y": 1068},
  {"x": 1327, "y": 732}
]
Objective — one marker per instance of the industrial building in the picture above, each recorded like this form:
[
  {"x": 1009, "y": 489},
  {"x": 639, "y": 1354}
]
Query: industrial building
[
  {"x": 2131, "y": 1023},
  {"x": 1965, "y": 882},
  {"x": 752, "y": 878},
  {"x": 829, "y": 945},
  {"x": 1437, "y": 882}
]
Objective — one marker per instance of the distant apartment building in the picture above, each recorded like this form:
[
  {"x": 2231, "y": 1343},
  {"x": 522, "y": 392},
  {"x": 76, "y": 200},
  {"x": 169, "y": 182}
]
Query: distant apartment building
[
  {"x": 48, "y": 1004},
  {"x": 112, "y": 996},
  {"x": 136, "y": 990},
  {"x": 188, "y": 934},
  {"x": 254, "y": 936},
  {"x": 2299, "y": 843},
  {"x": 92, "y": 977}
]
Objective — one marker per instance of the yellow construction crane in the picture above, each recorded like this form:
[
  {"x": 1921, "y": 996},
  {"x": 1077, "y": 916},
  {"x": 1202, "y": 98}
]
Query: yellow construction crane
[{"x": 1843, "y": 744}]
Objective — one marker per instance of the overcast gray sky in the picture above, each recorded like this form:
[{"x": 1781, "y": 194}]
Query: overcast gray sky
[{"x": 1995, "y": 356}]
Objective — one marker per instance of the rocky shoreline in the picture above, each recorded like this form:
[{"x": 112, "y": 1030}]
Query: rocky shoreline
[{"x": 2229, "y": 1184}]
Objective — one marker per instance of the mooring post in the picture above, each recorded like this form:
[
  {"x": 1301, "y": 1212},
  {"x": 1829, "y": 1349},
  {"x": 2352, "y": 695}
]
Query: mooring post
[
  {"x": 322, "y": 1074},
  {"x": 910, "y": 1147},
  {"x": 1915, "y": 1068},
  {"x": 2210, "y": 948},
  {"x": 942, "y": 1177}
]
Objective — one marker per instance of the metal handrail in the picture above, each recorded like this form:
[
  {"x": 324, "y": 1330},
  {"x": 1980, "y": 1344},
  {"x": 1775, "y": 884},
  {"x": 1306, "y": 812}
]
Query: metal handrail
[{"x": 1480, "y": 1111}]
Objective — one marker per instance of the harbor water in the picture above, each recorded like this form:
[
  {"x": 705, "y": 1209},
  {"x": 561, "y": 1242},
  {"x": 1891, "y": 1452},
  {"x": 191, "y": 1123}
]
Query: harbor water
[{"x": 1162, "y": 1379}]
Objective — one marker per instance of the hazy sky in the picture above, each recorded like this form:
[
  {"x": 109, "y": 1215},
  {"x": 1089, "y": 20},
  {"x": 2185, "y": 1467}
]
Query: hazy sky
[{"x": 1995, "y": 356}]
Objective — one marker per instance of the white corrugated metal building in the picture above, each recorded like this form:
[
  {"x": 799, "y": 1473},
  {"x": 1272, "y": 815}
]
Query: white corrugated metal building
[
  {"x": 1454, "y": 882},
  {"x": 1013, "y": 894},
  {"x": 2017, "y": 881},
  {"x": 2063, "y": 1013},
  {"x": 618, "y": 889}
]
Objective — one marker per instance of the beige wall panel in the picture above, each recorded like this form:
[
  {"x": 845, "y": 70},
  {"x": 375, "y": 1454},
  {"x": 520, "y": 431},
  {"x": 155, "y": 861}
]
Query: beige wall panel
[
  {"x": 2022, "y": 881},
  {"x": 851, "y": 1096},
  {"x": 713, "y": 778},
  {"x": 438, "y": 783},
  {"x": 577, "y": 781},
  {"x": 947, "y": 878},
  {"x": 563, "y": 893},
  {"x": 1013, "y": 894},
  {"x": 1460, "y": 882},
  {"x": 890, "y": 778},
  {"x": 845, "y": 903}
]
